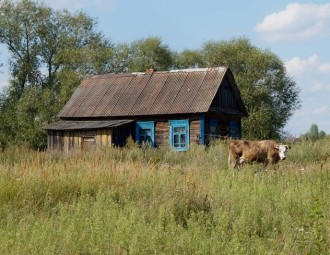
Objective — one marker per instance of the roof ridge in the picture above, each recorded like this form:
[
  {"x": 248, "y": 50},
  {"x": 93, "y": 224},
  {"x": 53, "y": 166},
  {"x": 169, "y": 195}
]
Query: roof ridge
[{"x": 203, "y": 69}]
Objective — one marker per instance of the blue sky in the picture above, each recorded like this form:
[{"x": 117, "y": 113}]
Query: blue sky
[{"x": 298, "y": 32}]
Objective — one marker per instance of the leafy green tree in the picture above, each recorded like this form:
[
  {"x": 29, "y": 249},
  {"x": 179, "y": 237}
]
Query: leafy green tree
[
  {"x": 50, "y": 52},
  {"x": 19, "y": 33},
  {"x": 322, "y": 134},
  {"x": 314, "y": 133},
  {"x": 149, "y": 52},
  {"x": 270, "y": 95},
  {"x": 122, "y": 56},
  {"x": 188, "y": 59},
  {"x": 41, "y": 41},
  {"x": 139, "y": 55}
]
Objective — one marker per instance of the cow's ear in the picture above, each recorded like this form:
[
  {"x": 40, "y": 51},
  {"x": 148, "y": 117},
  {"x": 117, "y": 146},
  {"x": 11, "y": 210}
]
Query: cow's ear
[{"x": 277, "y": 147}]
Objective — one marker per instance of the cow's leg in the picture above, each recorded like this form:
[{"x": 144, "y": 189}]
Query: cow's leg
[
  {"x": 231, "y": 161},
  {"x": 239, "y": 162},
  {"x": 237, "y": 165},
  {"x": 265, "y": 164}
]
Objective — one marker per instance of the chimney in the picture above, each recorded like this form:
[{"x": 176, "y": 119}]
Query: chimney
[{"x": 151, "y": 70}]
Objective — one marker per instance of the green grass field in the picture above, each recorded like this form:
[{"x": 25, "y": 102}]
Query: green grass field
[{"x": 154, "y": 201}]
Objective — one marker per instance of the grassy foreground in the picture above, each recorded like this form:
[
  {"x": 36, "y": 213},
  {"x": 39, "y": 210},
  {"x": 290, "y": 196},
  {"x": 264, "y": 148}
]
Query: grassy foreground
[{"x": 134, "y": 201}]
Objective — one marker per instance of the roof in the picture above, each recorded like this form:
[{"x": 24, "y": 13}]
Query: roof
[
  {"x": 136, "y": 94},
  {"x": 79, "y": 125}
]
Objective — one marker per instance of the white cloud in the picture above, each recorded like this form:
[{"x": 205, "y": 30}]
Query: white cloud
[
  {"x": 297, "y": 21},
  {"x": 318, "y": 86},
  {"x": 320, "y": 110},
  {"x": 296, "y": 65},
  {"x": 325, "y": 67}
]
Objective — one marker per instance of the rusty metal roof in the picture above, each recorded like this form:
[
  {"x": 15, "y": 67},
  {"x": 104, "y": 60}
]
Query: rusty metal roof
[
  {"x": 136, "y": 94},
  {"x": 77, "y": 125}
]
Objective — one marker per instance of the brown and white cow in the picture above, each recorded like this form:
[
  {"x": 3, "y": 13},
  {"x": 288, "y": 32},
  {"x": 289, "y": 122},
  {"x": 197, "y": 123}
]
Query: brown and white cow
[{"x": 265, "y": 151}]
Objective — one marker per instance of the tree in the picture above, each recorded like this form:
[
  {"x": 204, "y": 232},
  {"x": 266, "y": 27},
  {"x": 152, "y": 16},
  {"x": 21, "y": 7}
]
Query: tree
[
  {"x": 41, "y": 41},
  {"x": 322, "y": 134},
  {"x": 314, "y": 134},
  {"x": 19, "y": 33},
  {"x": 139, "y": 55},
  {"x": 50, "y": 52},
  {"x": 122, "y": 56},
  {"x": 188, "y": 59},
  {"x": 149, "y": 52},
  {"x": 269, "y": 94}
]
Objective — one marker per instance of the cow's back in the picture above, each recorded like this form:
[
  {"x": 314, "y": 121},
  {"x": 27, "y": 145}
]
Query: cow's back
[
  {"x": 272, "y": 151},
  {"x": 268, "y": 152}
]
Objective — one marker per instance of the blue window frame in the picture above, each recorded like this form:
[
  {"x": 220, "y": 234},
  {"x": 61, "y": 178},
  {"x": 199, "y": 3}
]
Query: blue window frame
[
  {"x": 202, "y": 129},
  {"x": 179, "y": 135},
  {"x": 145, "y": 132}
]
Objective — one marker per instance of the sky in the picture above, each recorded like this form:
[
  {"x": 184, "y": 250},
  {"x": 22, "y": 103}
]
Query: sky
[{"x": 298, "y": 32}]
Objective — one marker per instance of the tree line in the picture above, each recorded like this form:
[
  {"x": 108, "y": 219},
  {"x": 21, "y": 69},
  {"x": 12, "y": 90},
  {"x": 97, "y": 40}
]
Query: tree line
[
  {"x": 51, "y": 51},
  {"x": 313, "y": 134}
]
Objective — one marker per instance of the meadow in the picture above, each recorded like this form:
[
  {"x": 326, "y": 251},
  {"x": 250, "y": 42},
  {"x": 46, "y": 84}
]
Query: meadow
[{"x": 153, "y": 201}]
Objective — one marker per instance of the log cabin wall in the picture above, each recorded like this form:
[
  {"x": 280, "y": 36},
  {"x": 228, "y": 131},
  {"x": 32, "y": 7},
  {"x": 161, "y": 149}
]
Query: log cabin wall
[
  {"x": 78, "y": 139},
  {"x": 162, "y": 133},
  {"x": 55, "y": 139}
]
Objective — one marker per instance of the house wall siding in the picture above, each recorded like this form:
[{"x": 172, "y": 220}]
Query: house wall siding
[
  {"x": 67, "y": 140},
  {"x": 162, "y": 133},
  {"x": 199, "y": 132}
]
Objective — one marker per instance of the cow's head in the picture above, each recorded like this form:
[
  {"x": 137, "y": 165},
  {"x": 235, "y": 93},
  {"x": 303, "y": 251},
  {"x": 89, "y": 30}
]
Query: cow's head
[{"x": 281, "y": 150}]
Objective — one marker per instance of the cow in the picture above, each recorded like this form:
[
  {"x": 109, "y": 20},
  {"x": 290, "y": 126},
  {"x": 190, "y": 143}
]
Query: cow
[{"x": 265, "y": 151}]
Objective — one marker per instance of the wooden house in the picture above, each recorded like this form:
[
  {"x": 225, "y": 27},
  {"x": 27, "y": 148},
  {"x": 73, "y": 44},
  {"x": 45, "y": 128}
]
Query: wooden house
[{"x": 173, "y": 108}]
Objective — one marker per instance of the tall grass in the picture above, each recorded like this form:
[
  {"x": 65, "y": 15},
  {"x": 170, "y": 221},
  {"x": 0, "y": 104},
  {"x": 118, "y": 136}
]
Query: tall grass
[{"x": 148, "y": 201}]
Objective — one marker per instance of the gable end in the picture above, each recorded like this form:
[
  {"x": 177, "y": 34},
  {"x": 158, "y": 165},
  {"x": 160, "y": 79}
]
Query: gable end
[{"x": 228, "y": 99}]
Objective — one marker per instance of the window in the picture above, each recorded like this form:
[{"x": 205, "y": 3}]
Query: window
[
  {"x": 218, "y": 129},
  {"x": 235, "y": 129},
  {"x": 214, "y": 132},
  {"x": 88, "y": 142},
  {"x": 179, "y": 135},
  {"x": 145, "y": 132}
]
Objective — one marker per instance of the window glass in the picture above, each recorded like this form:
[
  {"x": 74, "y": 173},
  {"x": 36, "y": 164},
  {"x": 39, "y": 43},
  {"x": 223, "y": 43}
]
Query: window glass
[
  {"x": 179, "y": 129},
  {"x": 214, "y": 133},
  {"x": 176, "y": 141},
  {"x": 183, "y": 140},
  {"x": 145, "y": 132},
  {"x": 145, "y": 135},
  {"x": 235, "y": 129}
]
